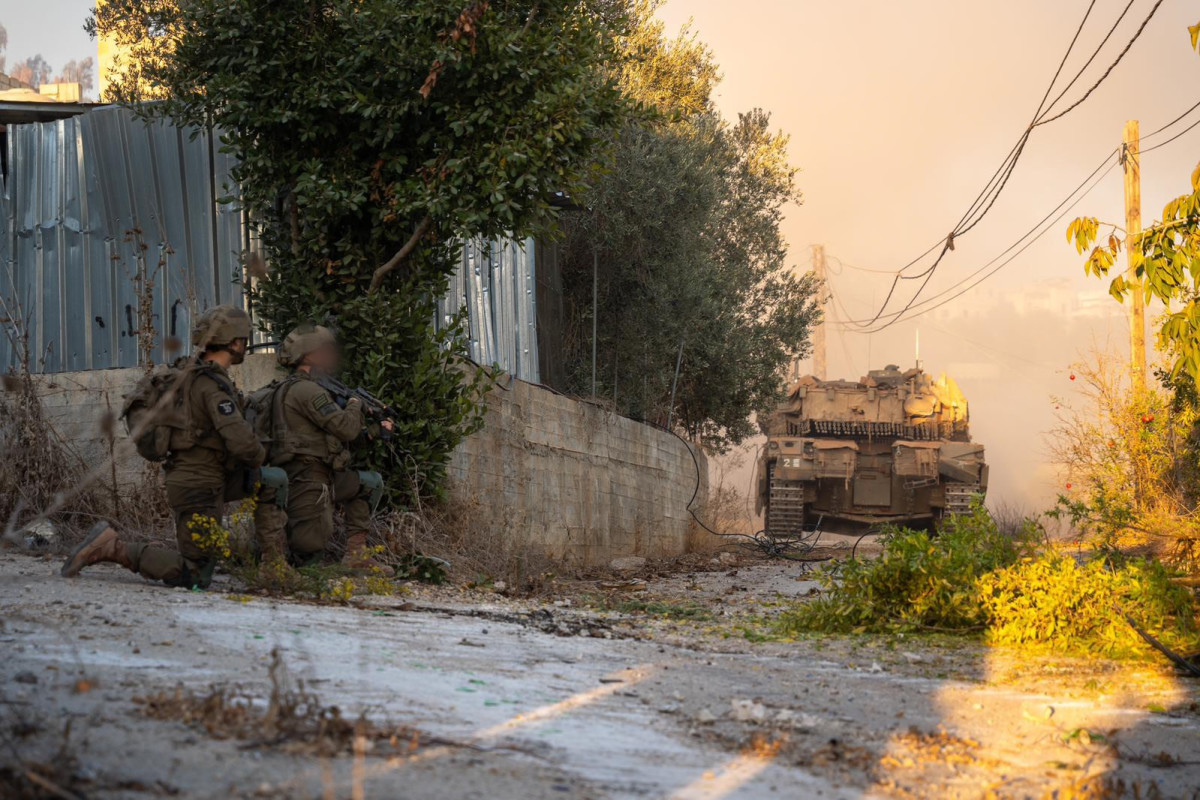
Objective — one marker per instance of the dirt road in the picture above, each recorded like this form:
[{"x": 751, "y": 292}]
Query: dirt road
[{"x": 648, "y": 691}]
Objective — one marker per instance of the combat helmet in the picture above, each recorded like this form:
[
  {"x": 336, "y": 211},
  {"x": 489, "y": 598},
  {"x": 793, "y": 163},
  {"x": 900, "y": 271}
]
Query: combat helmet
[
  {"x": 219, "y": 326},
  {"x": 304, "y": 339}
]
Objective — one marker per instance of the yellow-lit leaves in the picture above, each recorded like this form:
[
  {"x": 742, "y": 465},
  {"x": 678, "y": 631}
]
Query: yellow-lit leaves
[
  {"x": 1118, "y": 288},
  {"x": 1082, "y": 233},
  {"x": 1099, "y": 262},
  {"x": 1194, "y": 31}
]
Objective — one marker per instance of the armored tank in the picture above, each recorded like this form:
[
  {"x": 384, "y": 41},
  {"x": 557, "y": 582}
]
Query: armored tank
[{"x": 893, "y": 447}]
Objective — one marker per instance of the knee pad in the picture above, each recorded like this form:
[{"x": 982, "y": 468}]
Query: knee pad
[
  {"x": 275, "y": 478},
  {"x": 372, "y": 482}
]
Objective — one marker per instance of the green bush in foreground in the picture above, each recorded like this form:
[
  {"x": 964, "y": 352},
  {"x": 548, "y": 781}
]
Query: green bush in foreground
[
  {"x": 921, "y": 581},
  {"x": 1015, "y": 590}
]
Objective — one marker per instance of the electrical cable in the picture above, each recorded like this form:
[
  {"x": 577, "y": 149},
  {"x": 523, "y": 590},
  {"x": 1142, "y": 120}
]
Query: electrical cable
[
  {"x": 991, "y": 192},
  {"x": 893, "y": 316},
  {"x": 1095, "y": 53},
  {"x": 1168, "y": 141},
  {"x": 846, "y": 265},
  {"x": 763, "y": 541},
  {"x": 1137, "y": 34},
  {"x": 930, "y": 304}
]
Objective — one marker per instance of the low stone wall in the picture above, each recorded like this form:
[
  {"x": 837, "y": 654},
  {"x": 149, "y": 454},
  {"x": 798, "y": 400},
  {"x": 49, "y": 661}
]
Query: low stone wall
[
  {"x": 577, "y": 482},
  {"x": 77, "y": 404},
  {"x": 583, "y": 484}
]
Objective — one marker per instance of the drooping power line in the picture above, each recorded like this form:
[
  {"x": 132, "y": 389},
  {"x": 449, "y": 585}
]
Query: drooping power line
[{"x": 987, "y": 198}]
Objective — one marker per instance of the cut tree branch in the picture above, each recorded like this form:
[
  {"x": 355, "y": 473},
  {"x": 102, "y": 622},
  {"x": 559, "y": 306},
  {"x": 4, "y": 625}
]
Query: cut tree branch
[{"x": 386, "y": 267}]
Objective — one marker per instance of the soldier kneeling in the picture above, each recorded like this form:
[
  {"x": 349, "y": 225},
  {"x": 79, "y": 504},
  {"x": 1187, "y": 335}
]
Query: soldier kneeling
[
  {"x": 310, "y": 436},
  {"x": 190, "y": 417}
]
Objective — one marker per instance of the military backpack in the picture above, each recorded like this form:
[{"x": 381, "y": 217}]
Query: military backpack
[
  {"x": 264, "y": 412},
  {"x": 157, "y": 413}
]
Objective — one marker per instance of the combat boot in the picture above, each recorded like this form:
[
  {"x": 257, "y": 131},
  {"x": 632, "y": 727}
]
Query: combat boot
[
  {"x": 360, "y": 558},
  {"x": 271, "y": 533},
  {"x": 101, "y": 545}
]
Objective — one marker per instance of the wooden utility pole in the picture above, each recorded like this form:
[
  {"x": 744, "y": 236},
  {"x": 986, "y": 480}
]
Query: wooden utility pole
[
  {"x": 1131, "y": 160},
  {"x": 818, "y": 267}
]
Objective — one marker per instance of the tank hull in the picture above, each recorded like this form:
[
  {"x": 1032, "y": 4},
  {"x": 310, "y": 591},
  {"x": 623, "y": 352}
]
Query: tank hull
[{"x": 892, "y": 448}]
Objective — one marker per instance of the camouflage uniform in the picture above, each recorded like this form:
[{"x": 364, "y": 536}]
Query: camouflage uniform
[
  {"x": 219, "y": 468},
  {"x": 314, "y": 436},
  {"x": 217, "y": 462}
]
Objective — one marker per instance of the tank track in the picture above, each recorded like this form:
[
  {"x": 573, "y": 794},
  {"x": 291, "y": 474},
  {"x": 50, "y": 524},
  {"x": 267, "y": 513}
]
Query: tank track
[
  {"x": 958, "y": 496},
  {"x": 785, "y": 509}
]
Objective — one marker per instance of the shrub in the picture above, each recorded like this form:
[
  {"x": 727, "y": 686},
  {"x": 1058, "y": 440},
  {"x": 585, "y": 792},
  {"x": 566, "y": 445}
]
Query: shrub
[
  {"x": 1056, "y": 603},
  {"x": 921, "y": 581},
  {"x": 1016, "y": 590}
]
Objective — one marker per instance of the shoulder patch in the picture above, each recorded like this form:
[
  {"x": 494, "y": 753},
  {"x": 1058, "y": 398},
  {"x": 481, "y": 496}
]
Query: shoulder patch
[
  {"x": 226, "y": 408},
  {"x": 324, "y": 404}
]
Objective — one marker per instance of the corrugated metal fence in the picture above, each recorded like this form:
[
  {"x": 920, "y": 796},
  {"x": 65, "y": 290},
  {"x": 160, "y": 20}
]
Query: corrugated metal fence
[
  {"x": 495, "y": 282},
  {"x": 95, "y": 206}
]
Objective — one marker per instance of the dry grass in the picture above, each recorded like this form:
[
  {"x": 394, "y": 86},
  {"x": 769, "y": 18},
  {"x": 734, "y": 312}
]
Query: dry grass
[
  {"x": 293, "y": 719},
  {"x": 38, "y": 467},
  {"x": 481, "y": 545}
]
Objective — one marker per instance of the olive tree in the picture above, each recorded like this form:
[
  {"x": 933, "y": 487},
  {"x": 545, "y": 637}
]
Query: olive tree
[{"x": 684, "y": 229}]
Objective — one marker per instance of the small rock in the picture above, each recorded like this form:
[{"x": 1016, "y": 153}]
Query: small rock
[
  {"x": 727, "y": 559},
  {"x": 40, "y": 535},
  {"x": 705, "y": 717},
  {"x": 627, "y": 564},
  {"x": 25, "y": 676},
  {"x": 499, "y": 586},
  {"x": 875, "y": 667},
  {"x": 748, "y": 711}
]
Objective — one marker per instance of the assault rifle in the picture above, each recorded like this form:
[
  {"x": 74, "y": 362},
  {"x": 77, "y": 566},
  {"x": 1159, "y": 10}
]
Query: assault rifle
[{"x": 373, "y": 407}]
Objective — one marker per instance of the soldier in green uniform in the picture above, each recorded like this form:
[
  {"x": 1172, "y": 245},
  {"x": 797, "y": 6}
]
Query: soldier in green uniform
[
  {"x": 216, "y": 461},
  {"x": 311, "y": 439}
]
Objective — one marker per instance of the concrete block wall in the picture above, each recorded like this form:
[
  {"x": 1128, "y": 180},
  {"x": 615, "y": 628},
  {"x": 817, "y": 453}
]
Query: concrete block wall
[
  {"x": 582, "y": 484},
  {"x": 566, "y": 477},
  {"x": 77, "y": 403}
]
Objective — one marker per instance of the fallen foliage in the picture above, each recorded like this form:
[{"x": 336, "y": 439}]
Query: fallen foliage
[
  {"x": 1056, "y": 602},
  {"x": 920, "y": 581},
  {"x": 1015, "y": 590}
]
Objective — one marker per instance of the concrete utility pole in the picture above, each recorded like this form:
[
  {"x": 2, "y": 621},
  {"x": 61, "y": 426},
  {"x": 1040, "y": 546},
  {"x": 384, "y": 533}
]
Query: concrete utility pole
[
  {"x": 818, "y": 267},
  {"x": 1131, "y": 160}
]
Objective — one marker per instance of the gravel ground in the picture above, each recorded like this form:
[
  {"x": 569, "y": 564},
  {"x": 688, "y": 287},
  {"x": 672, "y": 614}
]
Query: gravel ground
[{"x": 643, "y": 685}]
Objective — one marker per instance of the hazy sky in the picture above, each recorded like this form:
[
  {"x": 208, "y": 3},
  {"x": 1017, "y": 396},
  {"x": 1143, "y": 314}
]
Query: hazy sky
[
  {"x": 53, "y": 28},
  {"x": 899, "y": 112}
]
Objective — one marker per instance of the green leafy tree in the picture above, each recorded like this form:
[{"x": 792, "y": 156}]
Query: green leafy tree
[
  {"x": 372, "y": 138},
  {"x": 1166, "y": 265},
  {"x": 684, "y": 226}
]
